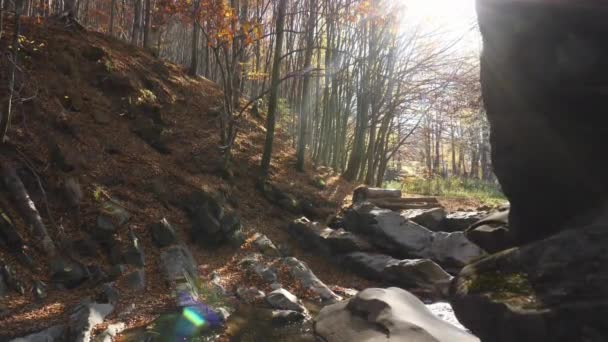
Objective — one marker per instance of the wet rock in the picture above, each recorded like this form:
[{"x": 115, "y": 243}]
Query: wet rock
[
  {"x": 265, "y": 246},
  {"x": 460, "y": 220},
  {"x": 428, "y": 218},
  {"x": 551, "y": 290},
  {"x": 284, "y": 300},
  {"x": 84, "y": 318},
  {"x": 413, "y": 274},
  {"x": 175, "y": 261},
  {"x": 389, "y": 314},
  {"x": 54, "y": 333},
  {"x": 284, "y": 317},
  {"x": 309, "y": 280},
  {"x": 315, "y": 236},
  {"x": 134, "y": 254},
  {"x": 136, "y": 280},
  {"x": 250, "y": 295},
  {"x": 163, "y": 233},
  {"x": 68, "y": 274}
]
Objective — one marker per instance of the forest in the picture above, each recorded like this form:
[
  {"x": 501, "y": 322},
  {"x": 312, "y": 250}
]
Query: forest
[
  {"x": 361, "y": 86},
  {"x": 314, "y": 170}
]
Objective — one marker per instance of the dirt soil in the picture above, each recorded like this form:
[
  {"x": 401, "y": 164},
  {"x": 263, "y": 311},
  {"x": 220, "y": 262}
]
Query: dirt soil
[{"x": 86, "y": 100}]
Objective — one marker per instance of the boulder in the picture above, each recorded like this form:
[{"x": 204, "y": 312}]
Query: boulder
[
  {"x": 254, "y": 263},
  {"x": 551, "y": 290},
  {"x": 112, "y": 216},
  {"x": 492, "y": 232},
  {"x": 84, "y": 318},
  {"x": 163, "y": 233},
  {"x": 176, "y": 261},
  {"x": 399, "y": 237},
  {"x": 460, "y": 220},
  {"x": 309, "y": 280},
  {"x": 67, "y": 273},
  {"x": 265, "y": 246},
  {"x": 412, "y": 274},
  {"x": 315, "y": 236},
  {"x": 428, "y": 218},
  {"x": 284, "y": 300},
  {"x": 384, "y": 315},
  {"x": 211, "y": 226},
  {"x": 546, "y": 137}
]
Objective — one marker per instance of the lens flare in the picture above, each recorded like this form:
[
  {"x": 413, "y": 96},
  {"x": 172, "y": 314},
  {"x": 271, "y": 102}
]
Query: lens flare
[{"x": 194, "y": 317}]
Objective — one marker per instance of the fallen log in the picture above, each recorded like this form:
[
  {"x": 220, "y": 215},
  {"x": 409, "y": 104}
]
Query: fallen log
[
  {"x": 405, "y": 203},
  {"x": 363, "y": 193},
  {"x": 27, "y": 208}
]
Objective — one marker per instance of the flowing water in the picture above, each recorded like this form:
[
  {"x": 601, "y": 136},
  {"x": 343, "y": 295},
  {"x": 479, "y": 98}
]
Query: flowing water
[{"x": 246, "y": 324}]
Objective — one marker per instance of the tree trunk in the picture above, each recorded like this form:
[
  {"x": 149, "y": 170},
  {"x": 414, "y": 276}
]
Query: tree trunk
[
  {"x": 147, "y": 25},
  {"x": 136, "y": 22},
  {"x": 274, "y": 90},
  {"x": 195, "y": 40}
]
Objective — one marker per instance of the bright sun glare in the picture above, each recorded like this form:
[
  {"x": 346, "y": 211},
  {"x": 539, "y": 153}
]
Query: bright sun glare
[{"x": 455, "y": 17}]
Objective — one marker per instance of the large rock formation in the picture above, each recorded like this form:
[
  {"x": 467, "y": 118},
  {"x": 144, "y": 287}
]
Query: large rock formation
[
  {"x": 381, "y": 315},
  {"x": 544, "y": 71},
  {"x": 552, "y": 290}
]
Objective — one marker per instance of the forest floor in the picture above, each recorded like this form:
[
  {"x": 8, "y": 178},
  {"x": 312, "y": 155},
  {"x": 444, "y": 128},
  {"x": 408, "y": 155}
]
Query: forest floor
[{"x": 83, "y": 119}]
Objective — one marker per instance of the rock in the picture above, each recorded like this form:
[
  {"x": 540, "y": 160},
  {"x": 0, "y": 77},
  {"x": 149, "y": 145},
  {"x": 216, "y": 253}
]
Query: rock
[
  {"x": 284, "y": 300},
  {"x": 492, "y": 232},
  {"x": 211, "y": 226},
  {"x": 444, "y": 311},
  {"x": 393, "y": 234},
  {"x": 108, "y": 294},
  {"x": 250, "y": 295},
  {"x": 284, "y": 317},
  {"x": 134, "y": 254},
  {"x": 523, "y": 77},
  {"x": 116, "y": 271},
  {"x": 84, "y": 318},
  {"x": 136, "y": 280},
  {"x": 177, "y": 260},
  {"x": 254, "y": 263},
  {"x": 265, "y": 246},
  {"x": 85, "y": 247},
  {"x": 414, "y": 274},
  {"x": 460, "y": 220},
  {"x": 110, "y": 333},
  {"x": 313, "y": 235},
  {"x": 428, "y": 218},
  {"x": 3, "y": 286},
  {"x": 163, "y": 233},
  {"x": 39, "y": 290},
  {"x": 111, "y": 217},
  {"x": 309, "y": 280},
  {"x": 68, "y": 274},
  {"x": 9, "y": 236},
  {"x": 93, "y": 53},
  {"x": 10, "y": 279},
  {"x": 281, "y": 198},
  {"x": 551, "y": 290},
  {"x": 453, "y": 249},
  {"x": 96, "y": 274},
  {"x": 54, "y": 333},
  {"x": 151, "y": 133},
  {"x": 389, "y": 314}
]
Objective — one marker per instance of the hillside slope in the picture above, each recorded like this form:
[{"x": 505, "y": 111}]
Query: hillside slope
[{"x": 127, "y": 126}]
